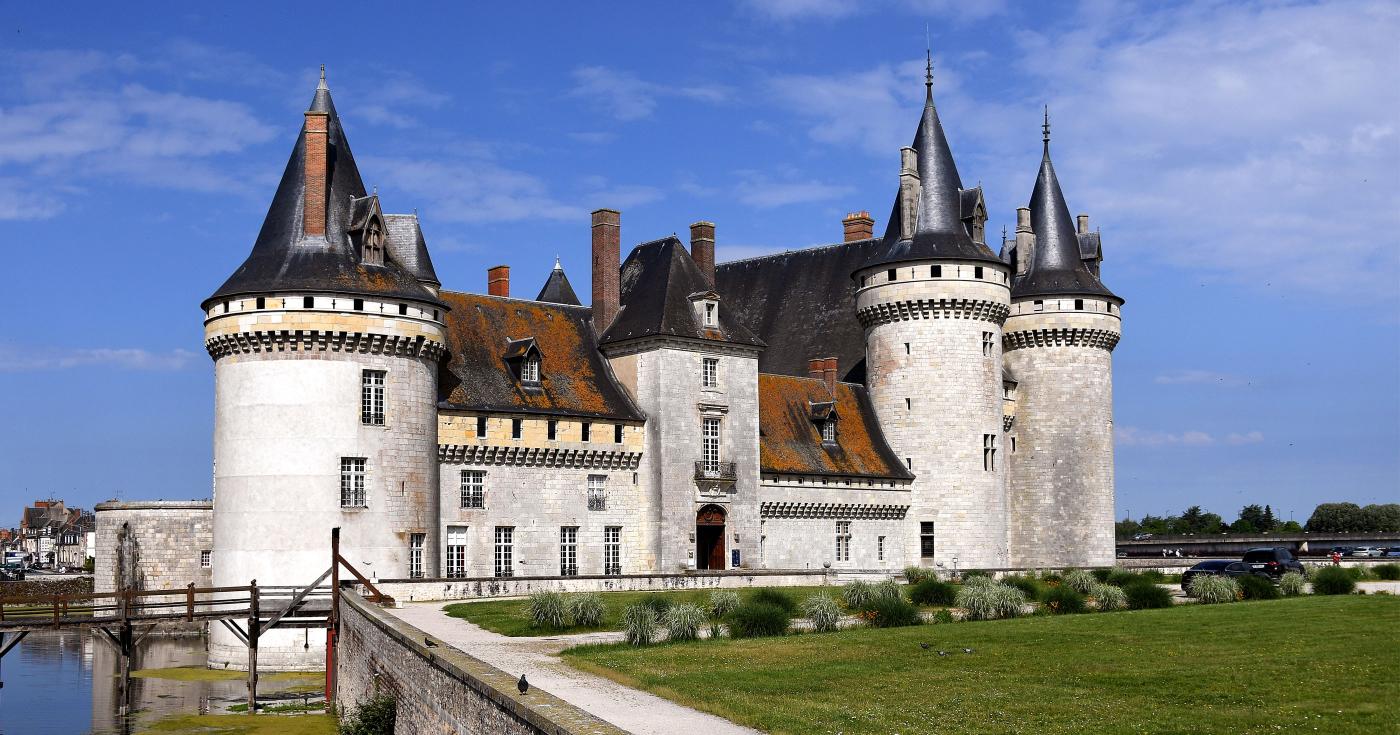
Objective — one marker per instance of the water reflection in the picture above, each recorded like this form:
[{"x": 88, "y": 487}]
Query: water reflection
[{"x": 65, "y": 683}]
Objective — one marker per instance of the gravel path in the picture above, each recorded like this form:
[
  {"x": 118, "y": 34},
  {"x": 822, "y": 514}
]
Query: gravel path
[{"x": 630, "y": 709}]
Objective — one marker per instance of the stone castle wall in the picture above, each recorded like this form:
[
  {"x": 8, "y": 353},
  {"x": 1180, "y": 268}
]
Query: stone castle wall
[
  {"x": 152, "y": 545},
  {"x": 800, "y": 524}
]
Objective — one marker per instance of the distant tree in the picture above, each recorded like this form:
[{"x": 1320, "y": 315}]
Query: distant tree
[
  {"x": 1243, "y": 526},
  {"x": 1290, "y": 527},
  {"x": 1155, "y": 524},
  {"x": 1254, "y": 518},
  {"x": 1335, "y": 518},
  {"x": 1270, "y": 522},
  {"x": 1381, "y": 518},
  {"x": 1195, "y": 520},
  {"x": 1126, "y": 528}
]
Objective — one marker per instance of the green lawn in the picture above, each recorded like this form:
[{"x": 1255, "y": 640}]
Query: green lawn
[
  {"x": 1310, "y": 664},
  {"x": 507, "y": 617}
]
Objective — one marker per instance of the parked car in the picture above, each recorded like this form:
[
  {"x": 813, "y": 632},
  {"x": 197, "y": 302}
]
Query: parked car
[
  {"x": 1393, "y": 551},
  {"x": 13, "y": 572},
  {"x": 1142, "y": 536},
  {"x": 1274, "y": 562},
  {"x": 1367, "y": 551},
  {"x": 1218, "y": 567}
]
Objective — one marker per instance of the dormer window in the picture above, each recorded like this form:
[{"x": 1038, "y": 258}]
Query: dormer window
[
  {"x": 824, "y": 417},
  {"x": 523, "y": 358},
  {"x": 367, "y": 229},
  {"x": 530, "y": 369},
  {"x": 828, "y": 428},
  {"x": 711, "y": 314},
  {"x": 706, "y": 304}
]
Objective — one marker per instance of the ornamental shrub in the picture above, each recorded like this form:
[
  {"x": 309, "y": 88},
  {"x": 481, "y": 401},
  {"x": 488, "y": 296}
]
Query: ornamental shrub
[
  {"x": 1120, "y": 577},
  {"x": 943, "y": 616},
  {"x": 639, "y": 624},
  {"x": 933, "y": 592},
  {"x": 1080, "y": 580},
  {"x": 889, "y": 589},
  {"x": 1028, "y": 585},
  {"x": 1100, "y": 574},
  {"x": 969, "y": 574},
  {"x": 754, "y": 619},
  {"x": 980, "y": 581},
  {"x": 1358, "y": 573},
  {"x": 1214, "y": 589},
  {"x": 374, "y": 716},
  {"x": 890, "y": 612},
  {"x": 723, "y": 602},
  {"x": 659, "y": 604},
  {"x": 548, "y": 609},
  {"x": 1147, "y": 596},
  {"x": 990, "y": 601},
  {"x": 772, "y": 596},
  {"x": 1333, "y": 581},
  {"x": 683, "y": 622},
  {"x": 1291, "y": 584},
  {"x": 856, "y": 594},
  {"x": 1109, "y": 597},
  {"x": 1386, "y": 571},
  {"x": 1254, "y": 587},
  {"x": 586, "y": 609},
  {"x": 1064, "y": 601},
  {"x": 822, "y": 611},
  {"x": 915, "y": 575}
]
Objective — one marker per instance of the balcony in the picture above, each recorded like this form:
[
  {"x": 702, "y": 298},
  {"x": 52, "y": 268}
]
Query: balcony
[{"x": 715, "y": 472}]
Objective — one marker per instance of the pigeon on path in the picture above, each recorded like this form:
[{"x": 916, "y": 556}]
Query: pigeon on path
[
  {"x": 522, "y": 685},
  {"x": 429, "y": 642}
]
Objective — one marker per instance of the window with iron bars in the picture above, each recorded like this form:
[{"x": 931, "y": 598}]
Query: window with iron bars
[
  {"x": 505, "y": 551},
  {"x": 568, "y": 551},
  {"x": 372, "y": 397},
  {"x": 612, "y": 550},
  {"x": 843, "y": 541},
  {"x": 597, "y": 492},
  {"x": 473, "y": 488},
  {"x": 415, "y": 555},
  {"x": 352, "y": 482},
  {"x": 456, "y": 551}
]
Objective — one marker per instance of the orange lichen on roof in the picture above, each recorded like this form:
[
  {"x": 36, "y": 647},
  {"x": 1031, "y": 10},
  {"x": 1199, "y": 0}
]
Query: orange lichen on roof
[
  {"x": 574, "y": 379},
  {"x": 790, "y": 441}
]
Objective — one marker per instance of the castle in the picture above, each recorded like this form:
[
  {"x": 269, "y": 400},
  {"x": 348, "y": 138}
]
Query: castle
[{"x": 910, "y": 399}]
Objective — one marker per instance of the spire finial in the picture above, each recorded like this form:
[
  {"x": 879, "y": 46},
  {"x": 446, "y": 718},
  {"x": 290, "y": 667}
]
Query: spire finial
[
  {"x": 557, "y": 265},
  {"x": 322, "y": 84},
  {"x": 928, "y": 69},
  {"x": 1045, "y": 127}
]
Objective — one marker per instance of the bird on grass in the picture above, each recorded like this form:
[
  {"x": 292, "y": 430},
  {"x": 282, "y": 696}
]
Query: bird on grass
[
  {"x": 967, "y": 650},
  {"x": 942, "y": 653},
  {"x": 925, "y": 646},
  {"x": 522, "y": 685},
  {"x": 429, "y": 642}
]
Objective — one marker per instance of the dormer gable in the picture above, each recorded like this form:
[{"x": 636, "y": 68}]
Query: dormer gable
[
  {"x": 523, "y": 358},
  {"x": 706, "y": 305},
  {"x": 366, "y": 229}
]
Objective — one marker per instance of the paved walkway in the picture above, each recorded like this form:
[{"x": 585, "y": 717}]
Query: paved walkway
[{"x": 630, "y": 709}]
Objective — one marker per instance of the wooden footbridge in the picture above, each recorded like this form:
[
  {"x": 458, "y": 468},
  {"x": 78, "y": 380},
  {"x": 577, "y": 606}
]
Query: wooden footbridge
[{"x": 124, "y": 618}]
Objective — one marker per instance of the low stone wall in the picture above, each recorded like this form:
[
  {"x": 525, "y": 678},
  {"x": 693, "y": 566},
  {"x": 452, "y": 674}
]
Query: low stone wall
[
  {"x": 426, "y": 590},
  {"x": 441, "y": 689},
  {"x": 152, "y": 545}
]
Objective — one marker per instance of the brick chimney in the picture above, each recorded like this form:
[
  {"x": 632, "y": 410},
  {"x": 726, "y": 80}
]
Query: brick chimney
[
  {"x": 816, "y": 368},
  {"x": 702, "y": 248},
  {"x": 829, "y": 374},
  {"x": 313, "y": 218},
  {"x": 607, "y": 226},
  {"x": 858, "y": 226},
  {"x": 498, "y": 280},
  {"x": 1083, "y": 224}
]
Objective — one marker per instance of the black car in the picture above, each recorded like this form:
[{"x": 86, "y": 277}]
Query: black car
[
  {"x": 1218, "y": 567},
  {"x": 1275, "y": 562}
]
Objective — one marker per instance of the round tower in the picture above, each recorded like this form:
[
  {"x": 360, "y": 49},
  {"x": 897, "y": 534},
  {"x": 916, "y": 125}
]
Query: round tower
[
  {"x": 325, "y": 345},
  {"x": 932, "y": 303},
  {"x": 1059, "y": 341}
]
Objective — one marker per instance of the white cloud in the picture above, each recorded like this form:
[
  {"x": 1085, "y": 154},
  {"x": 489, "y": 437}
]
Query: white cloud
[
  {"x": 593, "y": 137},
  {"x": 1129, "y": 436},
  {"x": 1197, "y": 377},
  {"x": 759, "y": 190},
  {"x": 798, "y": 10},
  {"x": 20, "y": 201},
  {"x": 14, "y": 359},
  {"x": 788, "y": 10},
  {"x": 626, "y": 97}
]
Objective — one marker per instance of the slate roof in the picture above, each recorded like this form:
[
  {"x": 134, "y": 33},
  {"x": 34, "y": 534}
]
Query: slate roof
[
  {"x": 801, "y": 304},
  {"x": 557, "y": 289},
  {"x": 658, "y": 281},
  {"x": 575, "y": 379},
  {"x": 790, "y": 443},
  {"x": 1058, "y": 266},
  {"x": 283, "y": 260},
  {"x": 405, "y": 245}
]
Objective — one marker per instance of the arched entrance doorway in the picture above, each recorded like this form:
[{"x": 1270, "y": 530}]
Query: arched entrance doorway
[{"x": 709, "y": 538}]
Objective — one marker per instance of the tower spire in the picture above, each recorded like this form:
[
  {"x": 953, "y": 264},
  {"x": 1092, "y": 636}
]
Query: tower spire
[
  {"x": 322, "y": 84},
  {"x": 928, "y": 68},
  {"x": 1045, "y": 132}
]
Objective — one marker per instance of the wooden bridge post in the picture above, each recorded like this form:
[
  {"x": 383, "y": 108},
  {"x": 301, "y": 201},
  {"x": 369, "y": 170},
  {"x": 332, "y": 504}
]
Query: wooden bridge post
[
  {"x": 189, "y": 603},
  {"x": 124, "y": 643},
  {"x": 253, "y": 624},
  {"x": 333, "y": 621}
]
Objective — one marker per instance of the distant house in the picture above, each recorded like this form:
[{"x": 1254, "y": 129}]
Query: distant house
[{"x": 53, "y": 534}]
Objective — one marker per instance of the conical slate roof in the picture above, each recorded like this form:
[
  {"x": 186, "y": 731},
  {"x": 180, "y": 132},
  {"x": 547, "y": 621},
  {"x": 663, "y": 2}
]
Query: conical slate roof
[
  {"x": 285, "y": 260},
  {"x": 406, "y": 246},
  {"x": 557, "y": 289},
  {"x": 1057, "y": 268},
  {"x": 939, "y": 232}
]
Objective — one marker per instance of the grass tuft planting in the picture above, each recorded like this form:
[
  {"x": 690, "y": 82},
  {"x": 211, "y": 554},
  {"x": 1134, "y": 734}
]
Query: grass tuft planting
[
  {"x": 723, "y": 602},
  {"x": 990, "y": 600},
  {"x": 1029, "y": 586},
  {"x": 683, "y": 622},
  {"x": 755, "y": 619},
  {"x": 890, "y": 612},
  {"x": 548, "y": 610},
  {"x": 774, "y": 596},
  {"x": 1215, "y": 589},
  {"x": 822, "y": 611},
  {"x": 856, "y": 594},
  {"x": 1147, "y": 596},
  {"x": 1333, "y": 581},
  {"x": 1064, "y": 601},
  {"x": 586, "y": 609},
  {"x": 1389, "y": 572},
  {"x": 1291, "y": 584},
  {"x": 1080, "y": 580},
  {"x": 640, "y": 625},
  {"x": 1254, "y": 587},
  {"x": 933, "y": 592},
  {"x": 1109, "y": 598},
  {"x": 915, "y": 575}
]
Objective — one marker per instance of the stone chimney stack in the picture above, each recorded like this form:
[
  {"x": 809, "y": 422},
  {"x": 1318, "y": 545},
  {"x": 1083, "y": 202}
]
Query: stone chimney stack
[
  {"x": 607, "y": 293},
  {"x": 858, "y": 226},
  {"x": 908, "y": 192},
  {"x": 816, "y": 368},
  {"x": 313, "y": 218},
  {"x": 829, "y": 374},
  {"x": 1083, "y": 224},
  {"x": 702, "y": 248},
  {"x": 1025, "y": 241},
  {"x": 498, "y": 280}
]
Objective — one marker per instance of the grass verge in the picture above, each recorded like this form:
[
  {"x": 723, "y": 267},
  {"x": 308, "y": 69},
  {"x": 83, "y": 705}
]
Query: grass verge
[
  {"x": 244, "y": 724},
  {"x": 200, "y": 673},
  {"x": 1192, "y": 668}
]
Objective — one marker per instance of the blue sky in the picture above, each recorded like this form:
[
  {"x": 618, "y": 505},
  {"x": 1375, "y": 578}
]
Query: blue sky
[{"x": 1242, "y": 160}]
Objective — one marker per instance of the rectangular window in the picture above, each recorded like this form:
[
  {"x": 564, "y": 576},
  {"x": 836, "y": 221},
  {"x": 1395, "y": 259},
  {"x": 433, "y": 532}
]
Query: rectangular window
[
  {"x": 711, "y": 314},
  {"x": 372, "y": 397},
  {"x": 880, "y": 548},
  {"x": 709, "y": 436},
  {"x": 262, "y": 303},
  {"x": 612, "y": 550},
  {"x": 517, "y": 427},
  {"x": 1079, "y": 304},
  {"x": 892, "y": 275},
  {"x": 988, "y": 348},
  {"x": 977, "y": 272},
  {"x": 936, "y": 271},
  {"x": 552, "y": 429},
  {"x": 989, "y": 452},
  {"x": 597, "y": 492},
  {"x": 359, "y": 304},
  {"x": 456, "y": 551},
  {"x": 352, "y": 482},
  {"x": 1013, "y": 445},
  {"x": 481, "y": 427},
  {"x": 530, "y": 370},
  {"x": 843, "y": 541},
  {"x": 617, "y": 434},
  {"x": 568, "y": 551},
  {"x": 473, "y": 489},
  {"x": 587, "y": 431},
  {"x": 906, "y": 349},
  {"x": 926, "y": 539},
  {"x": 829, "y": 430},
  {"x": 709, "y": 372},
  {"x": 206, "y": 558},
  {"x": 415, "y": 555},
  {"x": 308, "y": 302},
  {"x": 505, "y": 551},
  {"x": 1039, "y": 305},
  {"x": 403, "y": 309}
]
